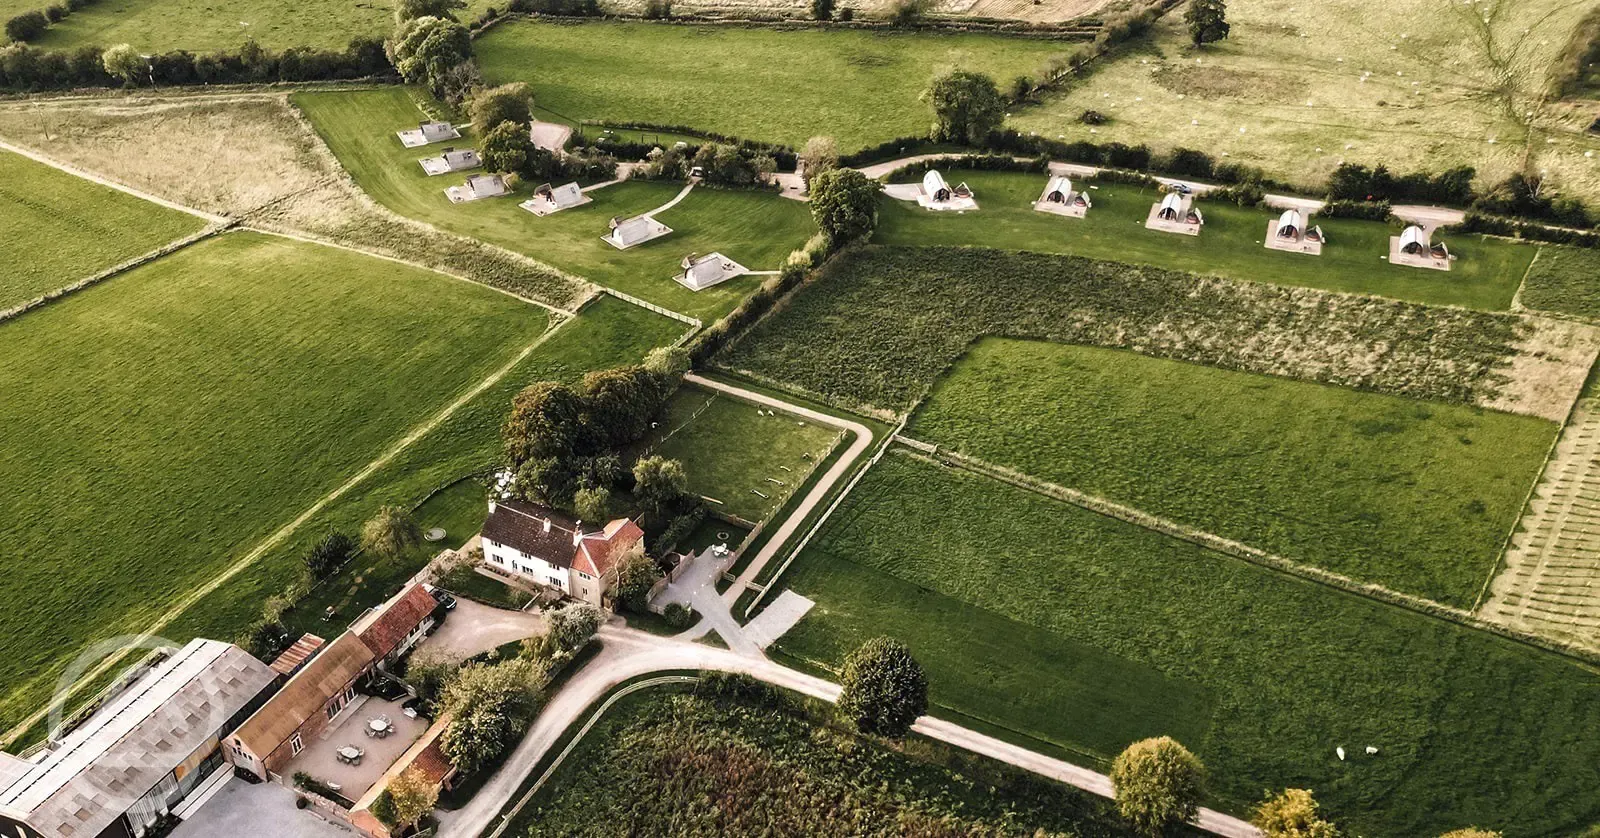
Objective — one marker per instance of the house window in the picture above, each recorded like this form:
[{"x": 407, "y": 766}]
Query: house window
[
  {"x": 558, "y": 582},
  {"x": 582, "y": 575},
  {"x": 295, "y": 745}
]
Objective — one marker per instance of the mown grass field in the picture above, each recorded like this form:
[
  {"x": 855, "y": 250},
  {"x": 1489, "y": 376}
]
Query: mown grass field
[
  {"x": 1299, "y": 87},
  {"x": 731, "y": 451},
  {"x": 159, "y": 425},
  {"x": 1470, "y": 728},
  {"x": 56, "y": 228},
  {"x": 1415, "y": 496},
  {"x": 700, "y": 765},
  {"x": 206, "y": 25},
  {"x": 609, "y": 333},
  {"x": 881, "y": 324},
  {"x": 756, "y": 229},
  {"x": 1563, "y": 280},
  {"x": 1485, "y": 275},
  {"x": 859, "y": 87}
]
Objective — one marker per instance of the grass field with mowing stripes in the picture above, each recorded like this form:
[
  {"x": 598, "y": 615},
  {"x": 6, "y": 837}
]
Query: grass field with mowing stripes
[
  {"x": 57, "y": 228},
  {"x": 158, "y": 425},
  {"x": 1415, "y": 496},
  {"x": 1470, "y": 728},
  {"x": 860, "y": 87},
  {"x": 1484, "y": 276},
  {"x": 756, "y": 229}
]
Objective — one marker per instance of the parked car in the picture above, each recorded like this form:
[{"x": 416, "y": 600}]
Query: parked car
[{"x": 445, "y": 599}]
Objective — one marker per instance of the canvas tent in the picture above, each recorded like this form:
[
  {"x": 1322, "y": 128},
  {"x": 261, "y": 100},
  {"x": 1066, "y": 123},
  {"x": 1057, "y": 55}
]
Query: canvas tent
[
  {"x": 1413, "y": 240},
  {"x": 934, "y": 187},
  {"x": 1059, "y": 190},
  {"x": 1290, "y": 225},
  {"x": 701, "y": 272},
  {"x": 626, "y": 233},
  {"x": 1171, "y": 207}
]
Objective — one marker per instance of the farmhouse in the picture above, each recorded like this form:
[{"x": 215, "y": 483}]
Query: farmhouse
[
  {"x": 428, "y": 133},
  {"x": 935, "y": 194},
  {"x": 1176, "y": 213},
  {"x": 1059, "y": 198},
  {"x": 1289, "y": 232},
  {"x": 451, "y": 160},
  {"x": 141, "y": 753},
  {"x": 477, "y": 187},
  {"x": 547, "y": 199},
  {"x": 701, "y": 272},
  {"x": 634, "y": 231},
  {"x": 1413, "y": 248},
  {"x": 549, "y": 548}
]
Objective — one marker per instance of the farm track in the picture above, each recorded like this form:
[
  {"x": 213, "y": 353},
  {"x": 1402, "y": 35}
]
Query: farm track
[
  {"x": 1550, "y": 582},
  {"x": 261, "y": 548}
]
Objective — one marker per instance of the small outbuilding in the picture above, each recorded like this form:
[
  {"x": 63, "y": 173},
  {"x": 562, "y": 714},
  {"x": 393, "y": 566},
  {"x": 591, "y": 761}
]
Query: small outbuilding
[
  {"x": 626, "y": 233},
  {"x": 700, "y": 272},
  {"x": 1413, "y": 248},
  {"x": 549, "y": 199},
  {"x": 1175, "y": 213},
  {"x": 1290, "y": 232},
  {"x": 936, "y": 194},
  {"x": 451, "y": 160},
  {"x": 476, "y": 188},
  {"x": 1060, "y": 198},
  {"x": 427, "y": 133}
]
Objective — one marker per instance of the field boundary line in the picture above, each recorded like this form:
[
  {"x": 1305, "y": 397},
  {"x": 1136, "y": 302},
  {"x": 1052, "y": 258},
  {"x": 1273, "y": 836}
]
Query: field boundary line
[
  {"x": 40, "y": 157},
  {"x": 324, "y": 242},
  {"x": 115, "y": 270},
  {"x": 1245, "y": 552},
  {"x": 1516, "y": 298},
  {"x": 249, "y": 559},
  {"x": 1527, "y": 501}
]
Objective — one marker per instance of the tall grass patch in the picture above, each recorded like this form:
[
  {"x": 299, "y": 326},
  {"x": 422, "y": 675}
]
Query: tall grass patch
[{"x": 1565, "y": 280}]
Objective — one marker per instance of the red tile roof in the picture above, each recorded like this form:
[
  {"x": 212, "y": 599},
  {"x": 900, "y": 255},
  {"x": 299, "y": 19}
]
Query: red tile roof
[
  {"x": 395, "y": 620},
  {"x": 296, "y": 656},
  {"x": 599, "y": 552}
]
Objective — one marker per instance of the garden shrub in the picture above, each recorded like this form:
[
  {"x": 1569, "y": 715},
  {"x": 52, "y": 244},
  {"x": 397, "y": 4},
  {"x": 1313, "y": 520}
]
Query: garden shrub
[
  {"x": 1364, "y": 210},
  {"x": 26, "y": 26},
  {"x": 678, "y": 616}
]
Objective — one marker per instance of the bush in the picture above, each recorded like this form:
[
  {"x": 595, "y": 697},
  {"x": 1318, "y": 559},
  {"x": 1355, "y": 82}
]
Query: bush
[
  {"x": 679, "y": 528},
  {"x": 1092, "y": 117},
  {"x": 967, "y": 107},
  {"x": 822, "y": 9},
  {"x": 1364, "y": 210},
  {"x": 56, "y": 13},
  {"x": 505, "y": 103},
  {"x": 847, "y": 14},
  {"x": 1189, "y": 163},
  {"x": 885, "y": 689},
  {"x": 329, "y": 554},
  {"x": 658, "y": 9},
  {"x": 567, "y": 8},
  {"x": 1158, "y": 784},
  {"x": 907, "y": 12},
  {"x": 678, "y": 616},
  {"x": 26, "y": 26}
]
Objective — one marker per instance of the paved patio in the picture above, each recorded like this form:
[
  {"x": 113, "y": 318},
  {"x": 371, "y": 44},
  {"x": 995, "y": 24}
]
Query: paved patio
[
  {"x": 262, "y": 810},
  {"x": 320, "y": 758}
]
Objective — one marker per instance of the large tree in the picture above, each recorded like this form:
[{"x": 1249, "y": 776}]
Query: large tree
[
  {"x": 506, "y": 103},
  {"x": 428, "y": 50},
  {"x": 844, "y": 203},
  {"x": 885, "y": 689},
  {"x": 405, "y": 10},
  {"x": 329, "y": 554},
  {"x": 506, "y": 148},
  {"x": 967, "y": 107},
  {"x": 490, "y": 707},
  {"x": 568, "y": 629},
  {"x": 544, "y": 422},
  {"x": 659, "y": 482},
  {"x": 821, "y": 154},
  {"x": 1292, "y": 813},
  {"x": 1208, "y": 21},
  {"x": 619, "y": 405},
  {"x": 636, "y": 575},
  {"x": 1158, "y": 784},
  {"x": 411, "y": 796},
  {"x": 124, "y": 62},
  {"x": 390, "y": 532}
]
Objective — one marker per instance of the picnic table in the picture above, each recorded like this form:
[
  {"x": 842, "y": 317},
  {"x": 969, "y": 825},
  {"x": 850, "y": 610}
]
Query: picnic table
[
  {"x": 379, "y": 727},
  {"x": 350, "y": 755}
]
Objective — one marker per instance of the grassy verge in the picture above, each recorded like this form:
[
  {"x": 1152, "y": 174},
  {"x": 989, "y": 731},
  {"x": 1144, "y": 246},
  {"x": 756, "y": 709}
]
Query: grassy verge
[
  {"x": 1561, "y": 280},
  {"x": 1469, "y": 727},
  {"x": 57, "y": 228},
  {"x": 159, "y": 425},
  {"x": 1415, "y": 496},
  {"x": 1484, "y": 276},
  {"x": 756, "y": 229}
]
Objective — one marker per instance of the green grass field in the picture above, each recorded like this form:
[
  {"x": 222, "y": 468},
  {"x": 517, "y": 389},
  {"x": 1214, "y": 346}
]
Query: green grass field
[
  {"x": 731, "y": 451},
  {"x": 859, "y": 87},
  {"x": 1415, "y": 496},
  {"x": 159, "y": 425},
  {"x": 756, "y": 229},
  {"x": 1299, "y": 87},
  {"x": 1562, "y": 280},
  {"x": 1470, "y": 728},
  {"x": 701, "y": 765},
  {"x": 1485, "y": 275},
  {"x": 56, "y": 228},
  {"x": 207, "y": 25}
]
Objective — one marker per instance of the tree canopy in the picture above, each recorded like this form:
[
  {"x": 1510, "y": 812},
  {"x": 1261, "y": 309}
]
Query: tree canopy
[
  {"x": 411, "y": 796},
  {"x": 885, "y": 689},
  {"x": 659, "y": 482},
  {"x": 506, "y": 148},
  {"x": 844, "y": 203},
  {"x": 636, "y": 574},
  {"x": 1158, "y": 784},
  {"x": 1292, "y": 813},
  {"x": 429, "y": 50},
  {"x": 1208, "y": 21},
  {"x": 490, "y": 706},
  {"x": 511, "y": 102},
  {"x": 390, "y": 532},
  {"x": 405, "y": 10},
  {"x": 821, "y": 154},
  {"x": 967, "y": 107}
]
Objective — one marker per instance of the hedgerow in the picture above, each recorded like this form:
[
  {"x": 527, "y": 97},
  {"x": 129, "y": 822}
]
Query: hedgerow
[{"x": 879, "y": 324}]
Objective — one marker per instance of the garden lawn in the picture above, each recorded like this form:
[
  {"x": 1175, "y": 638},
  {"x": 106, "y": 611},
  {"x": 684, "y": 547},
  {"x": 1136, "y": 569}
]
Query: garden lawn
[
  {"x": 609, "y": 333},
  {"x": 1298, "y": 88},
  {"x": 731, "y": 451},
  {"x": 1485, "y": 274},
  {"x": 756, "y": 229},
  {"x": 880, "y": 325},
  {"x": 860, "y": 87},
  {"x": 1415, "y": 496},
  {"x": 1562, "y": 280},
  {"x": 1470, "y": 728},
  {"x": 209, "y": 25},
  {"x": 57, "y": 228},
  {"x": 159, "y": 425},
  {"x": 772, "y": 764}
]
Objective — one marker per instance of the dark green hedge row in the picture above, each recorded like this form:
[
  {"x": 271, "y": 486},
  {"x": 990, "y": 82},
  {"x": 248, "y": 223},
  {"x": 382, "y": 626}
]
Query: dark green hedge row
[{"x": 25, "y": 68}]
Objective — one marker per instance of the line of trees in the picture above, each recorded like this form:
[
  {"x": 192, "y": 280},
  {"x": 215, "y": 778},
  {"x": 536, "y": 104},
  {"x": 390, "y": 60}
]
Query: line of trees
[{"x": 27, "y": 68}]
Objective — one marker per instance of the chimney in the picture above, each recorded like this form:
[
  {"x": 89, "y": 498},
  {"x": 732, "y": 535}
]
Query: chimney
[
  {"x": 547, "y": 525},
  {"x": 577, "y": 535},
  {"x": 491, "y": 506}
]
